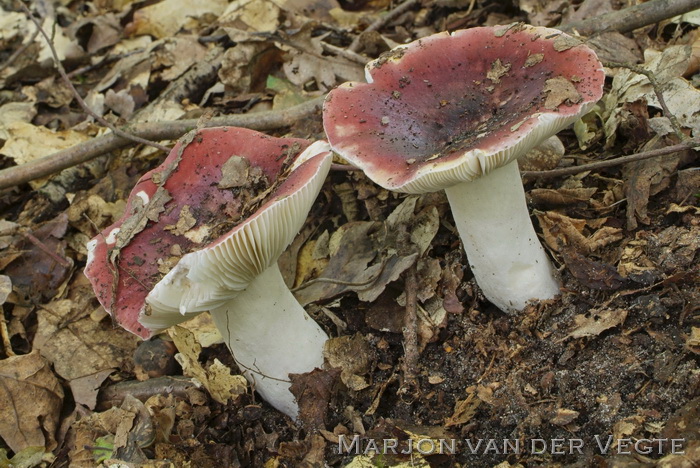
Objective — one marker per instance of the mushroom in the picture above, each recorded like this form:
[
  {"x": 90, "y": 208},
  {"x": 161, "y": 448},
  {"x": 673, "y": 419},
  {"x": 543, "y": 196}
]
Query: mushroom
[
  {"x": 203, "y": 231},
  {"x": 454, "y": 112}
]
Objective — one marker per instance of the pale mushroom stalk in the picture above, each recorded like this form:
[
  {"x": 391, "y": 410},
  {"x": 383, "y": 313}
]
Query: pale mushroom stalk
[
  {"x": 502, "y": 248},
  {"x": 193, "y": 238},
  {"x": 446, "y": 111},
  {"x": 292, "y": 341}
]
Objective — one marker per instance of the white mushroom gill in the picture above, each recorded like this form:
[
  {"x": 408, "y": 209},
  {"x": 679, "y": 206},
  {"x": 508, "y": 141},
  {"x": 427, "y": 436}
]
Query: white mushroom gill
[{"x": 238, "y": 281}]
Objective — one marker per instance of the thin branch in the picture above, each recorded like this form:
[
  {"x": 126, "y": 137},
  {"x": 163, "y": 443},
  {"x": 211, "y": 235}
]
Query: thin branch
[
  {"x": 366, "y": 282},
  {"x": 164, "y": 130},
  {"x": 562, "y": 171},
  {"x": 656, "y": 86},
  {"x": 22, "y": 49},
  {"x": 383, "y": 20},
  {"x": 410, "y": 329},
  {"x": 78, "y": 97},
  {"x": 346, "y": 54},
  {"x": 629, "y": 19},
  {"x": 44, "y": 248}
]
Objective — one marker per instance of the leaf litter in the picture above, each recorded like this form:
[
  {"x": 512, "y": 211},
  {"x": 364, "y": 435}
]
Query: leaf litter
[{"x": 615, "y": 355}]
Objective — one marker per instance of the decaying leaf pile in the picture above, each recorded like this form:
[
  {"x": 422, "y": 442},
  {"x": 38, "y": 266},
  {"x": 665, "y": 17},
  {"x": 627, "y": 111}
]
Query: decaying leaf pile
[{"x": 618, "y": 354}]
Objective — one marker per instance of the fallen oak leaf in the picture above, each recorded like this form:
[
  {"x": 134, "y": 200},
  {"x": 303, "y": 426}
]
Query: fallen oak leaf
[
  {"x": 31, "y": 397},
  {"x": 596, "y": 323},
  {"x": 590, "y": 273}
]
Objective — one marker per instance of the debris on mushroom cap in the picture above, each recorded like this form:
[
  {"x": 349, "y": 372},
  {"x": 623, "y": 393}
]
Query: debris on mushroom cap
[
  {"x": 184, "y": 213},
  {"x": 449, "y": 108}
]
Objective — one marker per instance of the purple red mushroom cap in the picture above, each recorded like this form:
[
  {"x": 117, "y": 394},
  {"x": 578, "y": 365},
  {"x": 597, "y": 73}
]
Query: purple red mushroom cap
[
  {"x": 189, "y": 203},
  {"x": 451, "y": 107},
  {"x": 454, "y": 112}
]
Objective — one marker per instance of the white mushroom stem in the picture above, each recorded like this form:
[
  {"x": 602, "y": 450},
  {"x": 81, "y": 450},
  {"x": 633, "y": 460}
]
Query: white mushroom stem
[
  {"x": 503, "y": 251},
  {"x": 270, "y": 336}
]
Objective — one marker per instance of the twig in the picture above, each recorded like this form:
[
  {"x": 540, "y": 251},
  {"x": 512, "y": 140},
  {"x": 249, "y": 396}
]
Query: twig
[
  {"x": 410, "y": 328},
  {"x": 44, "y": 248},
  {"x": 105, "y": 61},
  {"x": 366, "y": 282},
  {"x": 62, "y": 71},
  {"x": 165, "y": 130},
  {"x": 629, "y": 19},
  {"x": 656, "y": 86},
  {"x": 562, "y": 171},
  {"x": 383, "y": 20},
  {"x": 345, "y": 53},
  {"x": 5, "y": 336},
  {"x": 19, "y": 51}
]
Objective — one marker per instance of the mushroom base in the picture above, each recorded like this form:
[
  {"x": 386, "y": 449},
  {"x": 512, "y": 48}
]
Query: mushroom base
[
  {"x": 271, "y": 336},
  {"x": 502, "y": 248}
]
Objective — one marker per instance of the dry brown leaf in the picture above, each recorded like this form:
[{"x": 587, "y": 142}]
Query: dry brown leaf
[
  {"x": 13, "y": 112},
  {"x": 165, "y": 18},
  {"x": 242, "y": 63},
  {"x": 560, "y": 91},
  {"x": 693, "y": 341},
  {"x": 680, "y": 96},
  {"x": 31, "y": 397},
  {"x": 243, "y": 17},
  {"x": 561, "y": 196},
  {"x": 306, "y": 62},
  {"x": 313, "y": 391},
  {"x": 36, "y": 275},
  {"x": 217, "y": 378},
  {"x": 28, "y": 142},
  {"x": 5, "y": 288},
  {"x": 543, "y": 12},
  {"x": 593, "y": 274},
  {"x": 560, "y": 230},
  {"x": 353, "y": 355},
  {"x": 86, "y": 388},
  {"x": 644, "y": 179},
  {"x": 66, "y": 330},
  {"x": 464, "y": 410},
  {"x": 308, "y": 266},
  {"x": 63, "y": 46},
  {"x": 98, "y": 212},
  {"x": 596, "y": 322},
  {"x": 564, "y": 416}
]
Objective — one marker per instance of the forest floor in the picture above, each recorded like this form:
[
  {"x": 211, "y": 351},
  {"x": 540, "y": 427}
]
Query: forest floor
[{"x": 605, "y": 375}]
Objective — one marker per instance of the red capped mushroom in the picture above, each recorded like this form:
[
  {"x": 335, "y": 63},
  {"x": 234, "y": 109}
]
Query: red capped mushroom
[
  {"x": 203, "y": 231},
  {"x": 454, "y": 112}
]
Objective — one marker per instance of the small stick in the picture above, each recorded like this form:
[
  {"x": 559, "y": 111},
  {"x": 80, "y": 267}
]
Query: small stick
[
  {"x": 383, "y": 20},
  {"x": 44, "y": 248},
  {"x": 562, "y": 171},
  {"x": 410, "y": 328},
  {"x": 656, "y": 86},
  {"x": 163, "y": 130},
  {"x": 19, "y": 52},
  {"x": 5, "y": 335},
  {"x": 345, "y": 53},
  {"x": 631, "y": 18},
  {"x": 62, "y": 71}
]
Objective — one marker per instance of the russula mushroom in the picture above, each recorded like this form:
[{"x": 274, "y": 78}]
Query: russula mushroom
[
  {"x": 203, "y": 231},
  {"x": 454, "y": 112}
]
